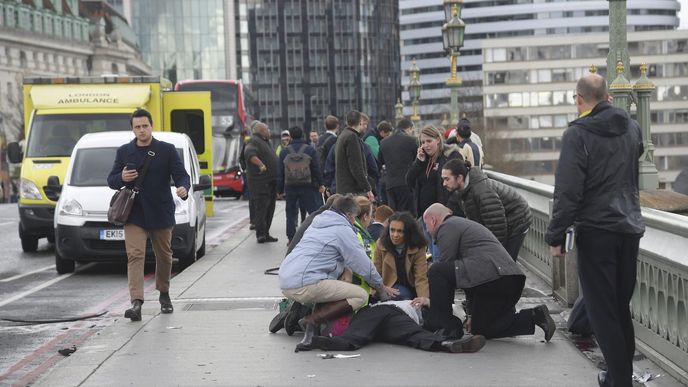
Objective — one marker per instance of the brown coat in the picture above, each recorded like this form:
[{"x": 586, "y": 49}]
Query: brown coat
[{"x": 416, "y": 268}]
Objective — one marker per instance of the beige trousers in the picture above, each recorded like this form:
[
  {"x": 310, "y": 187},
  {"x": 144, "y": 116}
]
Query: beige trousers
[
  {"x": 135, "y": 241},
  {"x": 329, "y": 290}
]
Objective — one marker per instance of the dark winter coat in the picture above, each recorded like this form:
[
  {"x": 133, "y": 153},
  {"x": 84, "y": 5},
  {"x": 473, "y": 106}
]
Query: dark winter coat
[
  {"x": 494, "y": 205},
  {"x": 478, "y": 256},
  {"x": 397, "y": 153},
  {"x": 350, "y": 163},
  {"x": 596, "y": 182},
  {"x": 415, "y": 178},
  {"x": 154, "y": 206},
  {"x": 259, "y": 147}
]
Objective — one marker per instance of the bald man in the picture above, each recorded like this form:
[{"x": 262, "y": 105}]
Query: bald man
[
  {"x": 473, "y": 259},
  {"x": 596, "y": 189},
  {"x": 261, "y": 167}
]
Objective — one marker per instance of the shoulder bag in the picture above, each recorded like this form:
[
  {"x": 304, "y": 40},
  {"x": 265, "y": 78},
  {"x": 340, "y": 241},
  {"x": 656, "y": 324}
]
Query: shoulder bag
[{"x": 123, "y": 200}]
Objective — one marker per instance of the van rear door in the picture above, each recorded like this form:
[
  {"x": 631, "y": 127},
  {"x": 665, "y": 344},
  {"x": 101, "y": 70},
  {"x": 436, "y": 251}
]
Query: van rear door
[{"x": 189, "y": 113}]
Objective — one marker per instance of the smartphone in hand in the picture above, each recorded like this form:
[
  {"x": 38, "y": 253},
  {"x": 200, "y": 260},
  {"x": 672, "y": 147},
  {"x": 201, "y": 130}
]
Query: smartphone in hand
[{"x": 131, "y": 166}]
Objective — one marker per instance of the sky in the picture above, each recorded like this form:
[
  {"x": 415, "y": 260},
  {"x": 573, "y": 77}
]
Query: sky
[{"x": 683, "y": 15}]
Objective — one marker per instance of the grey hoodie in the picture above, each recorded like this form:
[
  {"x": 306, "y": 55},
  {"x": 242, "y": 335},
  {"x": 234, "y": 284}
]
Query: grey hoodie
[{"x": 328, "y": 245}]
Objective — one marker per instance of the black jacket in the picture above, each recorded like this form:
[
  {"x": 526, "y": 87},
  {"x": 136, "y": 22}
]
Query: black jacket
[
  {"x": 397, "y": 153},
  {"x": 415, "y": 178},
  {"x": 494, "y": 205},
  {"x": 350, "y": 163},
  {"x": 325, "y": 142},
  {"x": 259, "y": 147},
  {"x": 596, "y": 182}
]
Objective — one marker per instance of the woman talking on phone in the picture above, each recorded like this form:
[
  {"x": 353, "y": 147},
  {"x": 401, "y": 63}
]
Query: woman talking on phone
[{"x": 425, "y": 174}]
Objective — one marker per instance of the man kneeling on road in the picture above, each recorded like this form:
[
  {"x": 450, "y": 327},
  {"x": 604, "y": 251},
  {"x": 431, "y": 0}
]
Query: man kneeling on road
[
  {"x": 309, "y": 274},
  {"x": 474, "y": 260}
]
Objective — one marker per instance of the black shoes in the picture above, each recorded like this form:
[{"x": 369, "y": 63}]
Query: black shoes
[
  {"x": 252, "y": 226},
  {"x": 602, "y": 378},
  {"x": 291, "y": 321},
  {"x": 264, "y": 239},
  {"x": 134, "y": 313},
  {"x": 165, "y": 303},
  {"x": 466, "y": 344},
  {"x": 542, "y": 319}
]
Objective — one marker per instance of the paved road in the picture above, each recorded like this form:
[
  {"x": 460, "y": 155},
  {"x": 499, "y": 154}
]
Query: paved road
[{"x": 31, "y": 290}]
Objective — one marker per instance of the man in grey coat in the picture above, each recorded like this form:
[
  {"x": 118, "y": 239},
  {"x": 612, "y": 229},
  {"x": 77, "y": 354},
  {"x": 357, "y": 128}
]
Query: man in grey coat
[
  {"x": 474, "y": 260},
  {"x": 350, "y": 160}
]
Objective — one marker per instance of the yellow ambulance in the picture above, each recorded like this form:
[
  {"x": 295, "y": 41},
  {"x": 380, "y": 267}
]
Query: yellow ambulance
[{"x": 58, "y": 111}]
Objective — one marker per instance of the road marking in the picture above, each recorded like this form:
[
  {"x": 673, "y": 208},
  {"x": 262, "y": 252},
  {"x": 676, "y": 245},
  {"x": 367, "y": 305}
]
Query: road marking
[
  {"x": 26, "y": 274},
  {"x": 6, "y": 223},
  {"x": 219, "y": 232},
  {"x": 43, "y": 285}
]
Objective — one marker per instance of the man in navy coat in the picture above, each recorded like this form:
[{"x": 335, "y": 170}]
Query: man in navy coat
[{"x": 152, "y": 215}]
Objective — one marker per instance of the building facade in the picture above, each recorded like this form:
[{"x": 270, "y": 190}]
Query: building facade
[
  {"x": 529, "y": 85},
  {"x": 57, "y": 38},
  {"x": 421, "y": 37},
  {"x": 305, "y": 59}
]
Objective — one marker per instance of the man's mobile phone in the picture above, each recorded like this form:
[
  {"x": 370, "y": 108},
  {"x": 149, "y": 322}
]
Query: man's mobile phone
[
  {"x": 570, "y": 242},
  {"x": 131, "y": 166}
]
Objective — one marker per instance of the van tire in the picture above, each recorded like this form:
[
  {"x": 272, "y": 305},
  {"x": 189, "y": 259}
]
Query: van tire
[
  {"x": 201, "y": 251},
  {"x": 188, "y": 260},
  {"x": 63, "y": 266},
  {"x": 29, "y": 243}
]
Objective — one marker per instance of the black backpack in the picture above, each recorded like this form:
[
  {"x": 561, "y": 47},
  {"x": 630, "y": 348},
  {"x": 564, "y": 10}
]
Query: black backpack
[{"x": 297, "y": 167}]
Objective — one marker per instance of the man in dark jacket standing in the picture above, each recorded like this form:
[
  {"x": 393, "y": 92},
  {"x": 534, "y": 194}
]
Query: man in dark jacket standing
[
  {"x": 350, "y": 162},
  {"x": 328, "y": 139},
  {"x": 474, "y": 260},
  {"x": 152, "y": 215},
  {"x": 298, "y": 192},
  {"x": 596, "y": 190},
  {"x": 261, "y": 167},
  {"x": 493, "y": 204},
  {"x": 397, "y": 153}
]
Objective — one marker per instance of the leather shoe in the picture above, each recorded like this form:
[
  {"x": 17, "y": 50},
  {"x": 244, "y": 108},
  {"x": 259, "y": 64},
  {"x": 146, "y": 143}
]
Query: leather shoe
[
  {"x": 542, "y": 319},
  {"x": 261, "y": 239},
  {"x": 134, "y": 313},
  {"x": 291, "y": 322},
  {"x": 466, "y": 344},
  {"x": 270, "y": 238},
  {"x": 252, "y": 226},
  {"x": 165, "y": 303},
  {"x": 602, "y": 378}
]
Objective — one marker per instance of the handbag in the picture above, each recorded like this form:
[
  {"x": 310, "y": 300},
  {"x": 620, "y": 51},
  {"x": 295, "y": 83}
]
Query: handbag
[{"x": 122, "y": 201}]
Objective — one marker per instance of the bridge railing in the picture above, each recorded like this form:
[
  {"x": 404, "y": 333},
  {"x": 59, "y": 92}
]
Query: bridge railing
[{"x": 660, "y": 302}]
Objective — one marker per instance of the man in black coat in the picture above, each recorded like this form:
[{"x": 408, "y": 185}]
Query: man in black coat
[
  {"x": 489, "y": 202},
  {"x": 328, "y": 139},
  {"x": 596, "y": 189},
  {"x": 153, "y": 212},
  {"x": 397, "y": 153},
  {"x": 261, "y": 168},
  {"x": 350, "y": 162},
  {"x": 474, "y": 260}
]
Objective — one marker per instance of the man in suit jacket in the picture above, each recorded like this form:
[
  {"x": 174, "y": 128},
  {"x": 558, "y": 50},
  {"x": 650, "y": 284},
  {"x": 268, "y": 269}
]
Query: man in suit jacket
[
  {"x": 474, "y": 260},
  {"x": 397, "y": 153},
  {"x": 153, "y": 212}
]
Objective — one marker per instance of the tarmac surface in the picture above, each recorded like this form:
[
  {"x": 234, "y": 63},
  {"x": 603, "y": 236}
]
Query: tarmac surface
[{"x": 218, "y": 335}]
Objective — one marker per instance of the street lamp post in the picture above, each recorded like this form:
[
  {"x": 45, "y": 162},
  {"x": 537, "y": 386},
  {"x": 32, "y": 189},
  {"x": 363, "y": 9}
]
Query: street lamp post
[
  {"x": 452, "y": 38},
  {"x": 414, "y": 89},
  {"x": 649, "y": 177},
  {"x": 399, "y": 107}
]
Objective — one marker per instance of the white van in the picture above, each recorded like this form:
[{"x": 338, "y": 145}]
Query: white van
[{"x": 82, "y": 232}]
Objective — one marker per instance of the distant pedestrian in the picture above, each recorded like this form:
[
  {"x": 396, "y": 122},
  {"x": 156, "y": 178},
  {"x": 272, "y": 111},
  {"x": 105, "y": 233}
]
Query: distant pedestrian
[
  {"x": 596, "y": 190},
  {"x": 299, "y": 178},
  {"x": 475, "y": 261},
  {"x": 397, "y": 153},
  {"x": 314, "y": 137},
  {"x": 470, "y": 151},
  {"x": 262, "y": 169},
  {"x": 380, "y": 221},
  {"x": 246, "y": 192},
  {"x": 491, "y": 203},
  {"x": 285, "y": 139},
  {"x": 152, "y": 216},
  {"x": 350, "y": 162},
  {"x": 328, "y": 139},
  {"x": 372, "y": 138}
]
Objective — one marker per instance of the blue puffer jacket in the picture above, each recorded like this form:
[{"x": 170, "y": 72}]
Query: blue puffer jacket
[{"x": 329, "y": 245}]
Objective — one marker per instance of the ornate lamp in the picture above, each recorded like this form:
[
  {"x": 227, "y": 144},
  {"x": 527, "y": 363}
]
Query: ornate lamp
[{"x": 414, "y": 89}]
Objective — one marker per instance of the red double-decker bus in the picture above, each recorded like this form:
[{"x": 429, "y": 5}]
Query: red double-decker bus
[{"x": 231, "y": 111}]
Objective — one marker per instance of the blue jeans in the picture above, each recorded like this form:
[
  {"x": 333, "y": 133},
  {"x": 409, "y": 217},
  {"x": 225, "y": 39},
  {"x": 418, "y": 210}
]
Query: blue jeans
[
  {"x": 405, "y": 292},
  {"x": 298, "y": 197},
  {"x": 432, "y": 245}
]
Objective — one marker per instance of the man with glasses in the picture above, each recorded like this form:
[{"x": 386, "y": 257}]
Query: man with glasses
[{"x": 596, "y": 190}]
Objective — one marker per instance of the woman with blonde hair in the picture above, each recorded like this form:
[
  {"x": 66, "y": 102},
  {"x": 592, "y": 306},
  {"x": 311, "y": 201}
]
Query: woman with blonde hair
[{"x": 425, "y": 174}]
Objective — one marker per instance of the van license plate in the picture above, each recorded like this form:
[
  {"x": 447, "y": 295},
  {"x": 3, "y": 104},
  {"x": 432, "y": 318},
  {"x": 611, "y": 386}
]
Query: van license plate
[{"x": 112, "y": 235}]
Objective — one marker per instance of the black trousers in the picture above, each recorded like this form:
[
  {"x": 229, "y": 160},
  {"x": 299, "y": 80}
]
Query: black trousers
[
  {"x": 492, "y": 305},
  {"x": 401, "y": 199},
  {"x": 607, "y": 265},
  {"x": 383, "y": 323},
  {"x": 263, "y": 198},
  {"x": 513, "y": 245}
]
